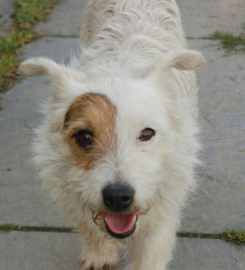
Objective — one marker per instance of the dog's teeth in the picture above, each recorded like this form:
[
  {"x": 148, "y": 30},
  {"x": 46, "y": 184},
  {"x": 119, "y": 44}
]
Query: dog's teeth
[
  {"x": 106, "y": 220},
  {"x": 135, "y": 218}
]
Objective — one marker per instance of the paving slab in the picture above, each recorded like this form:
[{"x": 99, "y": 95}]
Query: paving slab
[
  {"x": 7, "y": 8},
  {"x": 39, "y": 251},
  {"x": 204, "y": 18},
  {"x": 65, "y": 20},
  {"x": 60, "y": 251},
  {"x": 221, "y": 203},
  {"x": 207, "y": 254},
  {"x": 21, "y": 199}
]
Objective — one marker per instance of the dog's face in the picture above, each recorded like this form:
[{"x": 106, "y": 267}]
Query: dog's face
[
  {"x": 111, "y": 145},
  {"x": 115, "y": 141}
]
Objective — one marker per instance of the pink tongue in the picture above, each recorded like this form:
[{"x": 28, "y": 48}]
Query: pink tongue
[{"x": 120, "y": 223}]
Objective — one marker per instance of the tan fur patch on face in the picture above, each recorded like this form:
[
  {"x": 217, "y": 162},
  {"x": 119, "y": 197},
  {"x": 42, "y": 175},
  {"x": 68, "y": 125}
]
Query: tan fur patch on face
[{"x": 92, "y": 113}]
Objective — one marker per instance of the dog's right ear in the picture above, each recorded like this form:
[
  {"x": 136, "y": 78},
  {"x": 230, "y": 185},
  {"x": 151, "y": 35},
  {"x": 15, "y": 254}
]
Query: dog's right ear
[
  {"x": 41, "y": 66},
  {"x": 66, "y": 85}
]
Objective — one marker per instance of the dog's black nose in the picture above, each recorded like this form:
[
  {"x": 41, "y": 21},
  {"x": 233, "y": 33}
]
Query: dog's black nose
[{"x": 118, "y": 197}]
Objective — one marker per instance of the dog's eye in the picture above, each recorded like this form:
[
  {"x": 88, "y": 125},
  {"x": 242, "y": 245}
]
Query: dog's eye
[
  {"x": 146, "y": 134},
  {"x": 84, "y": 138}
]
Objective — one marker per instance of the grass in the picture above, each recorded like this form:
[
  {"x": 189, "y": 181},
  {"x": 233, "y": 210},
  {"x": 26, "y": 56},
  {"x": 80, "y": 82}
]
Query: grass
[
  {"x": 27, "y": 14},
  {"x": 230, "y": 42},
  {"x": 9, "y": 50}
]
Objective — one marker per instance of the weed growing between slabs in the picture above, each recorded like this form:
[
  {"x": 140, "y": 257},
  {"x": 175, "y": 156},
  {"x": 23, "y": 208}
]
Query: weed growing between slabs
[
  {"x": 232, "y": 44},
  {"x": 27, "y": 14},
  {"x": 237, "y": 237},
  {"x": 230, "y": 236}
]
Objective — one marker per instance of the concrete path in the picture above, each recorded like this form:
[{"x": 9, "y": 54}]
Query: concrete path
[{"x": 220, "y": 203}]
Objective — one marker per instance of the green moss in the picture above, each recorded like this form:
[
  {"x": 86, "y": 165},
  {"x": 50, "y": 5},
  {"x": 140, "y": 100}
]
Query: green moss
[
  {"x": 230, "y": 236},
  {"x": 12, "y": 227},
  {"x": 200, "y": 235}
]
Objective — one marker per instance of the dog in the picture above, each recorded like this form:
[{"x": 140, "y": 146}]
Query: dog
[{"x": 118, "y": 146}]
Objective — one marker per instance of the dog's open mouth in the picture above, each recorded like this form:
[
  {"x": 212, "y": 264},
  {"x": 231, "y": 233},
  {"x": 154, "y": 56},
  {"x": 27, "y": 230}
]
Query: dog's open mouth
[{"x": 120, "y": 225}]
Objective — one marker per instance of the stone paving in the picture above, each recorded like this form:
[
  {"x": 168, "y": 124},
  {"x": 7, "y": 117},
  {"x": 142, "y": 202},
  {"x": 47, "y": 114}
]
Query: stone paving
[
  {"x": 6, "y": 10},
  {"x": 220, "y": 202}
]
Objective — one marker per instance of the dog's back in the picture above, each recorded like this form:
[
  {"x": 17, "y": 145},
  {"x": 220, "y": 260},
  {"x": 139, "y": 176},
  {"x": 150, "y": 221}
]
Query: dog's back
[{"x": 131, "y": 30}]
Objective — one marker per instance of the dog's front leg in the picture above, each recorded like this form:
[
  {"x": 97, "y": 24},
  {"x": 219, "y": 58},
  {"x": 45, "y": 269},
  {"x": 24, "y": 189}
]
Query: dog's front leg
[
  {"x": 153, "y": 250},
  {"x": 98, "y": 252}
]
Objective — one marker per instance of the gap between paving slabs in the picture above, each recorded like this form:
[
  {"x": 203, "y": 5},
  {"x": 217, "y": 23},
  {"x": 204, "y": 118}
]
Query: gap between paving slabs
[{"x": 230, "y": 236}]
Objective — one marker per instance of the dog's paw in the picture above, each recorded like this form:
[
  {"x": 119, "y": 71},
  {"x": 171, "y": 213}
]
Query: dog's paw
[
  {"x": 98, "y": 261},
  {"x": 88, "y": 266}
]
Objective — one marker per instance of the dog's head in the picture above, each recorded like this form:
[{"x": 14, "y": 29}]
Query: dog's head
[{"x": 118, "y": 144}]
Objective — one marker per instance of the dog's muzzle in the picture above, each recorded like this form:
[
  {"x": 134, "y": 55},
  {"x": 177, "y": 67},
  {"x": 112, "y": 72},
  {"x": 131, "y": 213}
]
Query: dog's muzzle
[{"x": 118, "y": 198}]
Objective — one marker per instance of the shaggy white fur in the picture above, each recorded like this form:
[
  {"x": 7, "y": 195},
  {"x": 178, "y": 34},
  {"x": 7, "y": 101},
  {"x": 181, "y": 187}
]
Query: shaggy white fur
[{"x": 134, "y": 53}]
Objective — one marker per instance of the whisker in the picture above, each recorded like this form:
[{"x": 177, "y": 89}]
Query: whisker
[{"x": 96, "y": 217}]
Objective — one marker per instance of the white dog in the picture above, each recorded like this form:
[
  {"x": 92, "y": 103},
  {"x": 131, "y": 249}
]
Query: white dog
[{"x": 118, "y": 145}]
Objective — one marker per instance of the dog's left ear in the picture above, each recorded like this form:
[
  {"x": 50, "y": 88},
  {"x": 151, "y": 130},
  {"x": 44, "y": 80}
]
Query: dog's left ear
[{"x": 181, "y": 59}]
